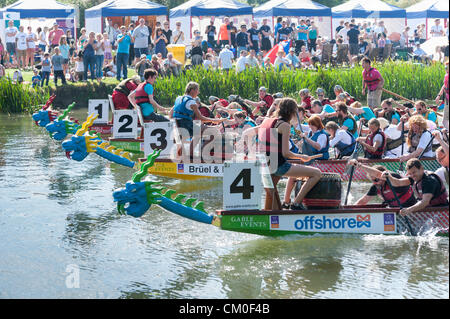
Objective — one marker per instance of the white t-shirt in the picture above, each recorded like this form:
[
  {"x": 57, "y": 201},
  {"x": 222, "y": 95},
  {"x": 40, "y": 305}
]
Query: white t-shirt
[
  {"x": 79, "y": 66},
  {"x": 189, "y": 104},
  {"x": 393, "y": 133},
  {"x": 322, "y": 140},
  {"x": 226, "y": 57},
  {"x": 11, "y": 39},
  {"x": 207, "y": 64},
  {"x": 42, "y": 38},
  {"x": 343, "y": 34},
  {"x": 424, "y": 140},
  {"x": 436, "y": 31},
  {"x": 340, "y": 136},
  {"x": 241, "y": 63},
  {"x": 31, "y": 44},
  {"x": 21, "y": 41},
  {"x": 441, "y": 173}
]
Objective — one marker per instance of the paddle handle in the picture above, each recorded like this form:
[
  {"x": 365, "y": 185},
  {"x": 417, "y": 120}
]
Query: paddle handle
[
  {"x": 398, "y": 96},
  {"x": 408, "y": 224}
]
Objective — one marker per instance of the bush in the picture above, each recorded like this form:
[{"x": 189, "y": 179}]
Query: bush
[{"x": 17, "y": 98}]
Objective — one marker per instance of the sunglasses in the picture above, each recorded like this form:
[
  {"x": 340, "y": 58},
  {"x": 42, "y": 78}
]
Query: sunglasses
[{"x": 375, "y": 180}]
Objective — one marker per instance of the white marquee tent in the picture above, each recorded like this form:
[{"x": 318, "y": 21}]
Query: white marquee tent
[
  {"x": 296, "y": 10},
  {"x": 196, "y": 15},
  {"x": 425, "y": 12},
  {"x": 394, "y": 18}
]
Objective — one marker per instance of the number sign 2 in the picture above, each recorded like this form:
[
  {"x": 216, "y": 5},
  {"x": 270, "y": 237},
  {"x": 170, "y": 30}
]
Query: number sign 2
[
  {"x": 100, "y": 107},
  {"x": 158, "y": 136},
  {"x": 125, "y": 124},
  {"x": 242, "y": 188}
]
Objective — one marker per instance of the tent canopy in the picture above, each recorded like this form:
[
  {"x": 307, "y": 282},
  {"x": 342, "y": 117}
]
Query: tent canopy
[
  {"x": 121, "y": 8},
  {"x": 211, "y": 8},
  {"x": 41, "y": 9},
  {"x": 292, "y": 8},
  {"x": 367, "y": 9},
  {"x": 431, "y": 9}
]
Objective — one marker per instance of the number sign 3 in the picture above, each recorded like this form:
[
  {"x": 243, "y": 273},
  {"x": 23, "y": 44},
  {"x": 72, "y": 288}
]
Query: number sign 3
[
  {"x": 125, "y": 124},
  {"x": 158, "y": 136}
]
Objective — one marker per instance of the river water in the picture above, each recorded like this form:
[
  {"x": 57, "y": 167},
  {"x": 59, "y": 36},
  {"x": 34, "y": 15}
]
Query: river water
[{"x": 61, "y": 237}]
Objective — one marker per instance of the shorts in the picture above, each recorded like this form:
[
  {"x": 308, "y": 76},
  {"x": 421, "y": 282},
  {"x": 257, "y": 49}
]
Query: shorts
[
  {"x": 374, "y": 98},
  {"x": 139, "y": 51},
  {"x": 354, "y": 48},
  {"x": 11, "y": 48},
  {"x": 283, "y": 169},
  {"x": 265, "y": 44},
  {"x": 65, "y": 61},
  {"x": 108, "y": 56},
  {"x": 187, "y": 125},
  {"x": 156, "y": 118},
  {"x": 21, "y": 53}
]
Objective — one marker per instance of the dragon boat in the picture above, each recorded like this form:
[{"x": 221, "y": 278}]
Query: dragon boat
[
  {"x": 193, "y": 171},
  {"x": 138, "y": 196}
]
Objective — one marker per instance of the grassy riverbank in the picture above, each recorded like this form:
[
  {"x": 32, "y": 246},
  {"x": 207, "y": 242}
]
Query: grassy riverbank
[{"x": 413, "y": 81}]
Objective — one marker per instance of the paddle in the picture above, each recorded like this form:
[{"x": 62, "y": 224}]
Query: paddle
[
  {"x": 405, "y": 99},
  {"x": 428, "y": 145},
  {"x": 352, "y": 168},
  {"x": 412, "y": 232},
  {"x": 403, "y": 144}
]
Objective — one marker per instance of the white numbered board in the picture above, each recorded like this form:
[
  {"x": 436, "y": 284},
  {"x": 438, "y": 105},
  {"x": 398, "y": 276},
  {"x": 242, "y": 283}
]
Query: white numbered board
[
  {"x": 100, "y": 107},
  {"x": 242, "y": 188},
  {"x": 125, "y": 124},
  {"x": 159, "y": 135}
]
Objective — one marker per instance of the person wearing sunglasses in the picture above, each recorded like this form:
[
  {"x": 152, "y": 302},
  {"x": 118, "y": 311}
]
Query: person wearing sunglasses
[
  {"x": 380, "y": 188},
  {"x": 428, "y": 187},
  {"x": 442, "y": 156}
]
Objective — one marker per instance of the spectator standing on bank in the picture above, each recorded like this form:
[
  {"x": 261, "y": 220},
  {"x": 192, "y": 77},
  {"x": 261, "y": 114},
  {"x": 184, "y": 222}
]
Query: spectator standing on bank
[
  {"x": 242, "y": 39},
  {"x": 99, "y": 56},
  {"x": 21, "y": 47},
  {"x": 178, "y": 35},
  {"x": 55, "y": 35},
  {"x": 123, "y": 49},
  {"x": 42, "y": 38},
  {"x": 167, "y": 32},
  {"x": 46, "y": 69},
  {"x": 64, "y": 50},
  {"x": 253, "y": 33},
  {"x": 226, "y": 58},
  {"x": 131, "y": 54},
  {"x": 10, "y": 40},
  {"x": 35, "y": 79},
  {"x": 302, "y": 36},
  {"x": 31, "y": 48},
  {"x": 140, "y": 38},
  {"x": 160, "y": 43},
  {"x": 89, "y": 56},
  {"x": 82, "y": 39},
  {"x": 437, "y": 30},
  {"x": 265, "y": 32},
  {"x": 353, "y": 40},
  {"x": 107, "y": 48},
  {"x": 224, "y": 33},
  {"x": 211, "y": 33},
  {"x": 313, "y": 33},
  {"x": 57, "y": 65}
]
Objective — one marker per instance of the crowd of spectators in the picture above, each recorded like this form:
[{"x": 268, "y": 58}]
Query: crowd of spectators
[{"x": 53, "y": 52}]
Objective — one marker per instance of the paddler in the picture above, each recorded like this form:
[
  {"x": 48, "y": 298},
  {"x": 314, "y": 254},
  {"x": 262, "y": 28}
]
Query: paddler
[
  {"x": 346, "y": 121},
  {"x": 262, "y": 106},
  {"x": 273, "y": 136},
  {"x": 316, "y": 141},
  {"x": 374, "y": 144},
  {"x": 428, "y": 187},
  {"x": 373, "y": 82},
  {"x": 422, "y": 109},
  {"x": 343, "y": 141},
  {"x": 380, "y": 188},
  {"x": 442, "y": 156},
  {"x": 444, "y": 91},
  {"x": 121, "y": 92},
  {"x": 418, "y": 138},
  {"x": 388, "y": 112},
  {"x": 142, "y": 98}
]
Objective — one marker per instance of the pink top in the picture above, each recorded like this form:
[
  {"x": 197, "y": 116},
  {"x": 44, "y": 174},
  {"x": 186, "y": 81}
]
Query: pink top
[
  {"x": 371, "y": 78},
  {"x": 446, "y": 86},
  {"x": 56, "y": 36}
]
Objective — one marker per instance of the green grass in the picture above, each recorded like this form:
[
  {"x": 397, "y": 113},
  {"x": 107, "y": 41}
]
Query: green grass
[{"x": 27, "y": 75}]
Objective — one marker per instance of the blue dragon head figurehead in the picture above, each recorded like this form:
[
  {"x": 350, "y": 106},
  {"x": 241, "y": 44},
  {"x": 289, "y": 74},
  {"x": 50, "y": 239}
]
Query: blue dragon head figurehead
[
  {"x": 137, "y": 197},
  {"x": 81, "y": 143},
  {"x": 45, "y": 115},
  {"x": 59, "y": 128}
]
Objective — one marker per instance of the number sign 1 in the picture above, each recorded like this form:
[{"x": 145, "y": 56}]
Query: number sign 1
[
  {"x": 125, "y": 124},
  {"x": 159, "y": 136},
  {"x": 242, "y": 188},
  {"x": 100, "y": 107}
]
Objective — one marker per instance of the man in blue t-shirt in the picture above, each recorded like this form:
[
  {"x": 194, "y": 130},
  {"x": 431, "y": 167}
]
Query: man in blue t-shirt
[
  {"x": 302, "y": 36},
  {"x": 123, "y": 50}
]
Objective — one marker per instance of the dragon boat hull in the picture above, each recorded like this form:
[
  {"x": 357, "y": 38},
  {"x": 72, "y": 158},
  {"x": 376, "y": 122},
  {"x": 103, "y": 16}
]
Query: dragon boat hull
[
  {"x": 105, "y": 130},
  {"x": 192, "y": 171},
  {"x": 371, "y": 219},
  {"x": 129, "y": 145}
]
